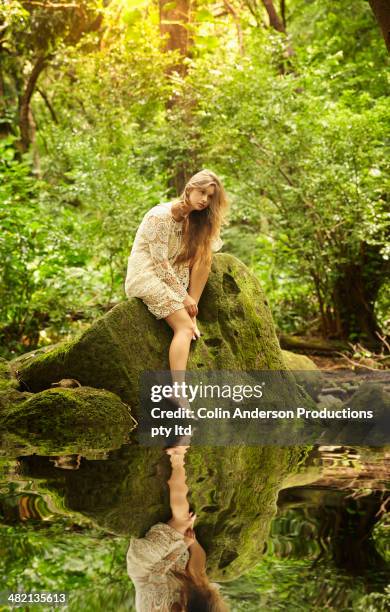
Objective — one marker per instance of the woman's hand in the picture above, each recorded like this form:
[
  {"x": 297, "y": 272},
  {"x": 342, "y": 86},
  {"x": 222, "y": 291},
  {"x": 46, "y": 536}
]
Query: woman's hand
[
  {"x": 197, "y": 333},
  {"x": 191, "y": 306},
  {"x": 189, "y": 537}
]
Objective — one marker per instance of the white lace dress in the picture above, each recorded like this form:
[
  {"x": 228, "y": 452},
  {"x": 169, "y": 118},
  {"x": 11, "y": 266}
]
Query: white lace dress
[
  {"x": 152, "y": 274},
  {"x": 151, "y": 562}
]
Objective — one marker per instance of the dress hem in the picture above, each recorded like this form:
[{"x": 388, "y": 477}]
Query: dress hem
[{"x": 179, "y": 307}]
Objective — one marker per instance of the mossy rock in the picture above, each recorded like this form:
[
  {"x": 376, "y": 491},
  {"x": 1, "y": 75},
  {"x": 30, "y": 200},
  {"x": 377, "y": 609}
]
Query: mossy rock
[
  {"x": 298, "y": 362},
  {"x": 234, "y": 317},
  {"x": 233, "y": 491},
  {"x": 12, "y": 397},
  {"x": 7, "y": 381},
  {"x": 84, "y": 418},
  {"x": 371, "y": 396},
  {"x": 305, "y": 372},
  {"x": 9, "y": 393}
]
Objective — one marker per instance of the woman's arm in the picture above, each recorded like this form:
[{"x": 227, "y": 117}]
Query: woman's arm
[
  {"x": 196, "y": 565},
  {"x": 198, "y": 278}
]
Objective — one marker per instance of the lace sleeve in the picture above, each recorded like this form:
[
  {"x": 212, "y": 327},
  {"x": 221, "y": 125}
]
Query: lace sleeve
[
  {"x": 156, "y": 232},
  {"x": 156, "y": 553},
  {"x": 216, "y": 244}
]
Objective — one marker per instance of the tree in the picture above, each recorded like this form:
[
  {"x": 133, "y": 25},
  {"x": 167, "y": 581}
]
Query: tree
[
  {"x": 32, "y": 32},
  {"x": 174, "y": 23},
  {"x": 381, "y": 10}
]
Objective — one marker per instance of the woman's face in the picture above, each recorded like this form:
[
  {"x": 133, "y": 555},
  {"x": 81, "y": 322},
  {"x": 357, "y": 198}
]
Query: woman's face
[{"x": 200, "y": 198}]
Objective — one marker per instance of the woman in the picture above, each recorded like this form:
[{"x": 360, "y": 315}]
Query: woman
[
  {"x": 171, "y": 258},
  {"x": 168, "y": 565}
]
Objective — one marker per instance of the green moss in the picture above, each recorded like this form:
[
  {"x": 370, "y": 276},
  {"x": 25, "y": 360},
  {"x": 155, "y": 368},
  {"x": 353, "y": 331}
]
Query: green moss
[
  {"x": 234, "y": 492},
  {"x": 298, "y": 362},
  {"x": 91, "y": 417},
  {"x": 6, "y": 379},
  {"x": 305, "y": 372}
]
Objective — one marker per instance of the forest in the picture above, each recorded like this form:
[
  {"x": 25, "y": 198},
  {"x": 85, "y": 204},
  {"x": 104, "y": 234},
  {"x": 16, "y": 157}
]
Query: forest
[{"x": 108, "y": 107}]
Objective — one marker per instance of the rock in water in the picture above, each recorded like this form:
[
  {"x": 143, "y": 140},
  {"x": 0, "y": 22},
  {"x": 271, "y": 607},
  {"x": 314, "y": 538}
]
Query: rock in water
[{"x": 234, "y": 317}]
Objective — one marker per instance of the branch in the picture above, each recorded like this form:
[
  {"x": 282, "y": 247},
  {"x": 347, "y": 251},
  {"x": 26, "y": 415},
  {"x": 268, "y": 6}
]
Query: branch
[
  {"x": 356, "y": 364},
  {"x": 283, "y": 12},
  {"x": 24, "y": 104},
  {"x": 49, "y": 105},
  {"x": 50, "y": 5}
]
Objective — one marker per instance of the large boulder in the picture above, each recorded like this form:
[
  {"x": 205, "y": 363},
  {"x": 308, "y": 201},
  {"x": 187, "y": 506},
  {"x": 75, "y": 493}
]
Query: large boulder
[{"x": 234, "y": 317}]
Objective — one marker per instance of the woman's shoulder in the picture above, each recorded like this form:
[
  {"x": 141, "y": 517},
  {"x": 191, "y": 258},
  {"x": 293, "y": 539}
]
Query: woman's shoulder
[{"x": 162, "y": 210}]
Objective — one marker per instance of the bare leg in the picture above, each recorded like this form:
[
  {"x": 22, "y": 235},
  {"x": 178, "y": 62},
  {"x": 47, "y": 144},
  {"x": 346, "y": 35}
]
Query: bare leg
[
  {"x": 183, "y": 330},
  {"x": 181, "y": 519}
]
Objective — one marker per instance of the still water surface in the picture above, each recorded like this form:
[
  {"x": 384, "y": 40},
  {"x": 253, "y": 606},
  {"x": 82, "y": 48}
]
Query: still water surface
[{"x": 66, "y": 522}]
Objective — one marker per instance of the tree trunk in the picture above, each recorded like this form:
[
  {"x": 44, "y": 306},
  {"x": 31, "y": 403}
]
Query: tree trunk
[
  {"x": 274, "y": 19},
  {"x": 381, "y": 10},
  {"x": 25, "y": 126},
  {"x": 355, "y": 294},
  {"x": 277, "y": 24},
  {"x": 174, "y": 21}
]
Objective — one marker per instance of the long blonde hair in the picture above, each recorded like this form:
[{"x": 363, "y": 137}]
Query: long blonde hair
[
  {"x": 199, "y": 596},
  {"x": 201, "y": 227}
]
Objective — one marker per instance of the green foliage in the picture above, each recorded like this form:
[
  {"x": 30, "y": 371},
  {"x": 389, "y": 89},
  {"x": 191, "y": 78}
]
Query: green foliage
[
  {"x": 86, "y": 563},
  {"x": 305, "y": 163},
  {"x": 35, "y": 31},
  {"x": 299, "y": 143},
  {"x": 43, "y": 260}
]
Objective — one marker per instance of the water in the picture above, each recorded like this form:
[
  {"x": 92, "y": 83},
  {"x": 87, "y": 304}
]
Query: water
[{"x": 66, "y": 522}]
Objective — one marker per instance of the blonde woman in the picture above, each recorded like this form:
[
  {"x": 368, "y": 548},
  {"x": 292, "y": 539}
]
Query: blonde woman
[
  {"x": 168, "y": 565},
  {"x": 171, "y": 257}
]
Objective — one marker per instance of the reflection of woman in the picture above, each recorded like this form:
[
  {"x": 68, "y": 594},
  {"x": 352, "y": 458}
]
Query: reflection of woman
[
  {"x": 171, "y": 256},
  {"x": 168, "y": 565}
]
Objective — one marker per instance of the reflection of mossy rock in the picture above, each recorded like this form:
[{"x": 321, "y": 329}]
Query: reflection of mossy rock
[
  {"x": 238, "y": 334},
  {"x": 90, "y": 418},
  {"x": 305, "y": 372},
  {"x": 232, "y": 490}
]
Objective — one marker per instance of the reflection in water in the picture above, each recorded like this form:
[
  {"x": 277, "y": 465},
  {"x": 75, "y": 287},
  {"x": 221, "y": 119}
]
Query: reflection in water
[
  {"x": 328, "y": 547},
  {"x": 168, "y": 565}
]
